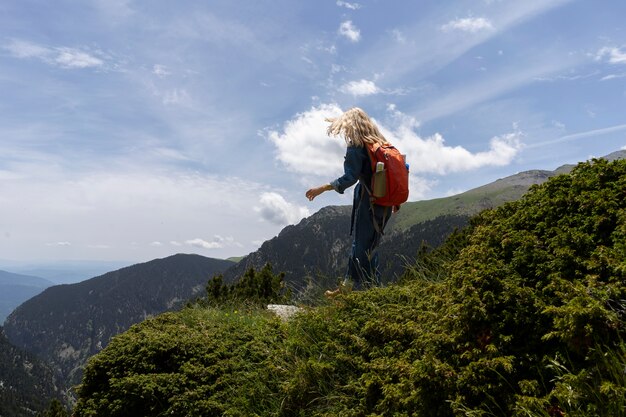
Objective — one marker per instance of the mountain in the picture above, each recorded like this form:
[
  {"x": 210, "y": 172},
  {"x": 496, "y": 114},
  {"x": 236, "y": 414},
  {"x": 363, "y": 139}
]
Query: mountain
[
  {"x": 316, "y": 249},
  {"x": 17, "y": 288},
  {"x": 521, "y": 314},
  {"x": 67, "y": 324},
  {"x": 26, "y": 383}
]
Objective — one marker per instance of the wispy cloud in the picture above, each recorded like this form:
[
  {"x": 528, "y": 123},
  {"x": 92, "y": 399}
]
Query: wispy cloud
[
  {"x": 160, "y": 71},
  {"x": 119, "y": 205},
  {"x": 360, "y": 88},
  {"x": 468, "y": 24},
  {"x": 612, "y": 54},
  {"x": 74, "y": 58},
  {"x": 477, "y": 92},
  {"x": 59, "y": 244},
  {"x": 216, "y": 243},
  {"x": 581, "y": 135},
  {"x": 347, "y": 5},
  {"x": 351, "y": 32},
  {"x": 397, "y": 59},
  {"x": 62, "y": 56}
]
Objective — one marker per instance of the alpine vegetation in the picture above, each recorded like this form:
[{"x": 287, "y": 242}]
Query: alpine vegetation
[{"x": 522, "y": 313}]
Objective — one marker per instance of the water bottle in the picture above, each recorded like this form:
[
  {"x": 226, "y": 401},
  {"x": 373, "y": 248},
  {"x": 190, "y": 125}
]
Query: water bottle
[{"x": 379, "y": 187}]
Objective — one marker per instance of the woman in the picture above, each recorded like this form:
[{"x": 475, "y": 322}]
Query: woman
[{"x": 368, "y": 220}]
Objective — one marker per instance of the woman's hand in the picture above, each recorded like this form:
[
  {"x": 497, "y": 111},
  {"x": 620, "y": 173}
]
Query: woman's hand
[{"x": 314, "y": 192}]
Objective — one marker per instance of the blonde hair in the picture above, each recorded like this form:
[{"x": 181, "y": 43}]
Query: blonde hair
[{"x": 356, "y": 128}]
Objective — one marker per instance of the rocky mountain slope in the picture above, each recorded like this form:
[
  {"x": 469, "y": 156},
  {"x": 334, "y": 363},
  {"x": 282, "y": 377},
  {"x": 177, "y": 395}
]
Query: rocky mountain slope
[
  {"x": 66, "y": 324},
  {"x": 26, "y": 384}
]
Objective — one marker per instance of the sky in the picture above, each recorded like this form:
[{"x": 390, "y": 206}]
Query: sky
[{"x": 132, "y": 129}]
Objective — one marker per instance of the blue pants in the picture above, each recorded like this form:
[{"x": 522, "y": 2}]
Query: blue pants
[{"x": 363, "y": 260}]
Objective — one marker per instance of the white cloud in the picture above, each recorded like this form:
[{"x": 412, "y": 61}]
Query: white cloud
[
  {"x": 351, "y": 6},
  {"x": 432, "y": 155},
  {"x": 398, "y": 36},
  {"x": 156, "y": 243},
  {"x": 175, "y": 243},
  {"x": 63, "y": 57},
  {"x": 582, "y": 135},
  {"x": 59, "y": 244},
  {"x": 303, "y": 146},
  {"x": 275, "y": 209},
  {"x": 468, "y": 24},
  {"x": 160, "y": 71},
  {"x": 74, "y": 58},
  {"x": 348, "y": 30},
  {"x": 177, "y": 97},
  {"x": 200, "y": 243},
  {"x": 612, "y": 77},
  {"x": 613, "y": 55},
  {"x": 360, "y": 88},
  {"x": 125, "y": 204},
  {"x": 25, "y": 49}
]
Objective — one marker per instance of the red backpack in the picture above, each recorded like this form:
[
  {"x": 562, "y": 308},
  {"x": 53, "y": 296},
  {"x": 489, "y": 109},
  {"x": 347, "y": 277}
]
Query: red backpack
[{"x": 390, "y": 175}]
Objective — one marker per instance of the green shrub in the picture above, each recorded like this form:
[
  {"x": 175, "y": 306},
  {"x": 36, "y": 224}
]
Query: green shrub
[
  {"x": 198, "y": 362},
  {"x": 520, "y": 314}
]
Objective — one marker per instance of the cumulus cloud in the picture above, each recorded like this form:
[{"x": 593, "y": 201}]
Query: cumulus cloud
[
  {"x": 613, "y": 55},
  {"x": 303, "y": 147},
  {"x": 350, "y": 31},
  {"x": 275, "y": 209},
  {"x": 351, "y": 6},
  {"x": 431, "y": 155},
  {"x": 63, "y": 57},
  {"x": 468, "y": 24},
  {"x": 360, "y": 88}
]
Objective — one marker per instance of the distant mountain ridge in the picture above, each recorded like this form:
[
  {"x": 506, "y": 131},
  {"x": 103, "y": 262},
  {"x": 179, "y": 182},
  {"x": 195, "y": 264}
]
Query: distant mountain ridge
[
  {"x": 66, "y": 324},
  {"x": 17, "y": 288}
]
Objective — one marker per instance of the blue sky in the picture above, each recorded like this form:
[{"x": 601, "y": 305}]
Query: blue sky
[{"x": 131, "y": 130}]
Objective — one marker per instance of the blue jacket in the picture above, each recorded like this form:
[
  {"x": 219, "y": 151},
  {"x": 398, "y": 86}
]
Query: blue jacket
[{"x": 357, "y": 167}]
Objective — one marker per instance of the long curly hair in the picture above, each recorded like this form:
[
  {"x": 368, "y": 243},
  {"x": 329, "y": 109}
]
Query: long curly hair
[{"x": 356, "y": 127}]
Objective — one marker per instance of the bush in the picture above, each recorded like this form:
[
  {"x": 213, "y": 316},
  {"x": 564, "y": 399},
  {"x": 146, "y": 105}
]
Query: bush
[
  {"x": 521, "y": 314},
  {"x": 198, "y": 362}
]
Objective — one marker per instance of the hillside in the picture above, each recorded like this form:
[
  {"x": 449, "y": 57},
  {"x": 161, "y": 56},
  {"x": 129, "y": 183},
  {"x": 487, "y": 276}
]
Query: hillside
[
  {"x": 66, "y": 324},
  {"x": 315, "y": 250},
  {"x": 521, "y": 314},
  {"x": 26, "y": 384},
  {"x": 17, "y": 288}
]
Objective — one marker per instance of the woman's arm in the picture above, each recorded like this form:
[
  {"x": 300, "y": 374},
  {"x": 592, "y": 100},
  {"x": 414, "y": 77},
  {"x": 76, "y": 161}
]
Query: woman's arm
[{"x": 314, "y": 192}]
